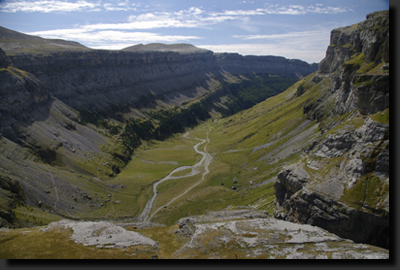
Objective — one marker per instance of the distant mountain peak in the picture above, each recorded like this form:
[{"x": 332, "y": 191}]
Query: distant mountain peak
[
  {"x": 13, "y": 42},
  {"x": 160, "y": 47}
]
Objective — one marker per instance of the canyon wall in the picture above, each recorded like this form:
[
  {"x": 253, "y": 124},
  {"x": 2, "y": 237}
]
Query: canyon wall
[
  {"x": 97, "y": 79},
  {"x": 342, "y": 182}
]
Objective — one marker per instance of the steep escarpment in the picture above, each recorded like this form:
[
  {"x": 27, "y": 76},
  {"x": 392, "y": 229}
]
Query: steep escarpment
[
  {"x": 356, "y": 61},
  {"x": 341, "y": 183},
  {"x": 173, "y": 74},
  {"x": 99, "y": 79},
  {"x": 20, "y": 92},
  {"x": 272, "y": 65}
]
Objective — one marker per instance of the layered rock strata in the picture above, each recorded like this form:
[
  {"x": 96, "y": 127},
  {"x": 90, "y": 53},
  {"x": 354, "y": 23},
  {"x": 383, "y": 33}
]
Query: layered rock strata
[
  {"x": 342, "y": 182},
  {"x": 97, "y": 79}
]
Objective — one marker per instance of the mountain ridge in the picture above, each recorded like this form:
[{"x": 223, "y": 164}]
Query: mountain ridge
[
  {"x": 180, "y": 48},
  {"x": 14, "y": 42}
]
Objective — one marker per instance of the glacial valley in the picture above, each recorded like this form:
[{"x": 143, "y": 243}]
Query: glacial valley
[{"x": 171, "y": 151}]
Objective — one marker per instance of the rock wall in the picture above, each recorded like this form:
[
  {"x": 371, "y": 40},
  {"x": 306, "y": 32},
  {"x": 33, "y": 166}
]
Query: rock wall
[
  {"x": 273, "y": 65},
  {"x": 98, "y": 79},
  {"x": 309, "y": 207},
  {"x": 370, "y": 37},
  {"x": 342, "y": 182},
  {"x": 365, "y": 42},
  {"x": 20, "y": 92}
]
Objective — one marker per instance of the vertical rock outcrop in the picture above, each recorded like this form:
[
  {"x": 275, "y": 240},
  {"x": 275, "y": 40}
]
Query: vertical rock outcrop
[
  {"x": 364, "y": 43},
  {"x": 350, "y": 199},
  {"x": 20, "y": 92},
  {"x": 370, "y": 37}
]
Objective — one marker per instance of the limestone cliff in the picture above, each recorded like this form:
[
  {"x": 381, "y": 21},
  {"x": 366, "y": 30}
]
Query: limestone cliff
[
  {"x": 97, "y": 79},
  {"x": 356, "y": 60},
  {"x": 20, "y": 92},
  {"x": 273, "y": 65},
  {"x": 341, "y": 182}
]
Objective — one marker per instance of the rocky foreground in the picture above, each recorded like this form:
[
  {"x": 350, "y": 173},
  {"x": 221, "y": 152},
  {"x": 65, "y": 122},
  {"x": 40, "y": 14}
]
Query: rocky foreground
[{"x": 239, "y": 233}]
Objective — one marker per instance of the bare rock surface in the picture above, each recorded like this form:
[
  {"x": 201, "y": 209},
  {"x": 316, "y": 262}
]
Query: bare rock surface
[
  {"x": 345, "y": 189},
  {"x": 265, "y": 237},
  {"x": 102, "y": 234}
]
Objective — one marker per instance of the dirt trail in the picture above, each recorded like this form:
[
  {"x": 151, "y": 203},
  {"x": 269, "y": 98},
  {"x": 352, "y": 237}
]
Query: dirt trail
[{"x": 195, "y": 169}]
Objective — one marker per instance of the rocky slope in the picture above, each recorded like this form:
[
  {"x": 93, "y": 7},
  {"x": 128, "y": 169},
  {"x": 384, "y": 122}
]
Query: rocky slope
[
  {"x": 341, "y": 183},
  {"x": 42, "y": 145}
]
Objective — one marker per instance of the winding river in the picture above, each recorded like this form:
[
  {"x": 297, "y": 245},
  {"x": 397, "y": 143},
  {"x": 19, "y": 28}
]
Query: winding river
[{"x": 195, "y": 169}]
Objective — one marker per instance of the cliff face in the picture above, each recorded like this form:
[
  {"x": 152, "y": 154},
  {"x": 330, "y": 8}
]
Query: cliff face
[
  {"x": 20, "y": 92},
  {"x": 273, "y": 65},
  {"x": 97, "y": 79},
  {"x": 370, "y": 37},
  {"x": 366, "y": 44},
  {"x": 342, "y": 181}
]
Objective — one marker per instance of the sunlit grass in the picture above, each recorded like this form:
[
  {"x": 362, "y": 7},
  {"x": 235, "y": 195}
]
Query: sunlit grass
[
  {"x": 381, "y": 117},
  {"x": 34, "y": 215},
  {"x": 57, "y": 244}
]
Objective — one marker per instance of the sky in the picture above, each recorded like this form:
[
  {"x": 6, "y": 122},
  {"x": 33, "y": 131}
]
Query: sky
[{"x": 295, "y": 29}]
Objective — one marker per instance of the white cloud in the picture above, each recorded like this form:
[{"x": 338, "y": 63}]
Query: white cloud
[
  {"x": 46, "y": 6},
  {"x": 109, "y": 38},
  {"x": 121, "y": 6},
  {"x": 196, "y": 17},
  {"x": 189, "y": 18},
  {"x": 309, "y": 55},
  {"x": 317, "y": 34},
  {"x": 302, "y": 10},
  {"x": 114, "y": 46},
  {"x": 309, "y": 46},
  {"x": 193, "y": 13}
]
